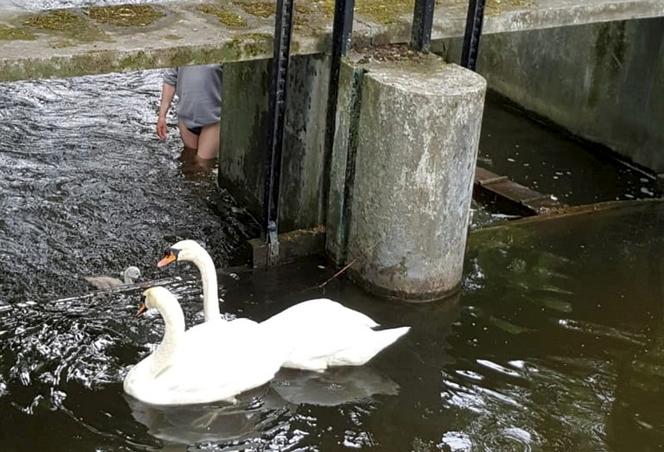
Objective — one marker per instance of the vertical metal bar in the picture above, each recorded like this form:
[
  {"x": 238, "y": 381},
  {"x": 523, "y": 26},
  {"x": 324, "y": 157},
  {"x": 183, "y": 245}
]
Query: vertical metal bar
[
  {"x": 341, "y": 42},
  {"x": 471, "y": 39},
  {"x": 422, "y": 25},
  {"x": 283, "y": 23}
]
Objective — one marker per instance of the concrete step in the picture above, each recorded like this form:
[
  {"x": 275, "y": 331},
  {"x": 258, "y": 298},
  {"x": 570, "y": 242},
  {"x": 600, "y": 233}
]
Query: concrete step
[{"x": 64, "y": 43}]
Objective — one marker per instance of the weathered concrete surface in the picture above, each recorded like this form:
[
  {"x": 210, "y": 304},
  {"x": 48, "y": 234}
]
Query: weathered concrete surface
[
  {"x": 187, "y": 34},
  {"x": 244, "y": 138},
  {"x": 418, "y": 135},
  {"x": 342, "y": 161},
  {"x": 303, "y": 156},
  {"x": 243, "y": 144},
  {"x": 603, "y": 82}
]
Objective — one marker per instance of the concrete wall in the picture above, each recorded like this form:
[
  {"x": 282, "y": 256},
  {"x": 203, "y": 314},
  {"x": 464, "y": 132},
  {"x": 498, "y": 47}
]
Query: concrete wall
[
  {"x": 243, "y": 131},
  {"x": 244, "y": 138},
  {"x": 604, "y": 82},
  {"x": 342, "y": 164}
]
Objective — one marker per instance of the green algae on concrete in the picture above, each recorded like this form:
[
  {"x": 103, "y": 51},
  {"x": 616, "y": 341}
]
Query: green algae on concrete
[
  {"x": 125, "y": 15},
  {"x": 225, "y": 16},
  {"x": 390, "y": 11},
  {"x": 64, "y": 22},
  {"x": 15, "y": 34},
  {"x": 381, "y": 11},
  {"x": 493, "y": 7},
  {"x": 498, "y": 6},
  {"x": 252, "y": 44},
  {"x": 267, "y": 9},
  {"x": 258, "y": 8},
  {"x": 385, "y": 11},
  {"x": 56, "y": 20}
]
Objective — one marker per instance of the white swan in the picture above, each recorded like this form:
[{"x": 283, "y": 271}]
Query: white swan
[
  {"x": 322, "y": 332},
  {"x": 205, "y": 363},
  {"x": 190, "y": 251}
]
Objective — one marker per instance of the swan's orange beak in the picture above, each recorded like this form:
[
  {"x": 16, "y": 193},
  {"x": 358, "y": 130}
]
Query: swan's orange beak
[
  {"x": 142, "y": 309},
  {"x": 168, "y": 259}
]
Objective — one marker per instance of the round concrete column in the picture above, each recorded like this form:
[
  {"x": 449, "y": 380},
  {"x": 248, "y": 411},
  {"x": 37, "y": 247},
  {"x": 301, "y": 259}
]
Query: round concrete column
[{"x": 417, "y": 141}]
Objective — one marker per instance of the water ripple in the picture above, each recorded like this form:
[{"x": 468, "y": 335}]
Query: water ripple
[{"x": 88, "y": 189}]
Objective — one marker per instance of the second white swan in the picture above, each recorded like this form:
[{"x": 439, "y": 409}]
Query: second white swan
[
  {"x": 321, "y": 332},
  {"x": 205, "y": 363}
]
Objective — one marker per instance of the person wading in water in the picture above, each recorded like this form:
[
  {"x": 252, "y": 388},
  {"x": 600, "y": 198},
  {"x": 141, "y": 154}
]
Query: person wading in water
[{"x": 199, "y": 110}]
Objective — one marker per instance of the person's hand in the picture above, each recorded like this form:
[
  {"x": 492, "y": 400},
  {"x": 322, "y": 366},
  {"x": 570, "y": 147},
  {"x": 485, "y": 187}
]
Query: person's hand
[{"x": 162, "y": 130}]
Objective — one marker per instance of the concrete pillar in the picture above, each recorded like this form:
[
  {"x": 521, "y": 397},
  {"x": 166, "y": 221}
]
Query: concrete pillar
[
  {"x": 417, "y": 133},
  {"x": 244, "y": 138}
]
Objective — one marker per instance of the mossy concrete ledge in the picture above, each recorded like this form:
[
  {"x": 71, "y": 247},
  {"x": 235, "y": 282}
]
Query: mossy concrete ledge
[
  {"x": 60, "y": 43},
  {"x": 244, "y": 138},
  {"x": 417, "y": 134}
]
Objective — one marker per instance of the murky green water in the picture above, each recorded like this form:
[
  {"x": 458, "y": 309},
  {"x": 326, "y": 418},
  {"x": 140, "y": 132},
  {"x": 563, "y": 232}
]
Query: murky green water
[
  {"x": 554, "y": 344},
  {"x": 530, "y": 153}
]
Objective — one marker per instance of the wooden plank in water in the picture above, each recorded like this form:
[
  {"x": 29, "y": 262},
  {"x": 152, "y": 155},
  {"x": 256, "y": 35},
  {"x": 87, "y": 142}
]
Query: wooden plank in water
[{"x": 510, "y": 196}]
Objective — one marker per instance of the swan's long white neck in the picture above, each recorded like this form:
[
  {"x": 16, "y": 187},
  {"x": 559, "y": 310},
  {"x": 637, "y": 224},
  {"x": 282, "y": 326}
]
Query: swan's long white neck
[
  {"x": 205, "y": 265},
  {"x": 173, "y": 334}
]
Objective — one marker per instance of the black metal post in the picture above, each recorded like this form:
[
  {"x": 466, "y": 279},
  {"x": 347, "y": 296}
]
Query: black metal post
[
  {"x": 283, "y": 24},
  {"x": 471, "y": 38},
  {"x": 341, "y": 41},
  {"x": 422, "y": 24}
]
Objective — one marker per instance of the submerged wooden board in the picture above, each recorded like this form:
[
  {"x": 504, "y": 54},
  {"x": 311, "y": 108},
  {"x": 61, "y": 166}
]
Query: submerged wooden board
[{"x": 512, "y": 197}]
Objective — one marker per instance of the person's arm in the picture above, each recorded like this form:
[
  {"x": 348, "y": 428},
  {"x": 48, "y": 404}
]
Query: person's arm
[{"x": 167, "y": 94}]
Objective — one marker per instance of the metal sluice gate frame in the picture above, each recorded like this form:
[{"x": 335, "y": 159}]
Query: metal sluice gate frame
[{"x": 341, "y": 42}]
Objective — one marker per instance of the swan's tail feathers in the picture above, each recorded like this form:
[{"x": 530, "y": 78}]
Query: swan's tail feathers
[
  {"x": 388, "y": 337},
  {"x": 370, "y": 346}
]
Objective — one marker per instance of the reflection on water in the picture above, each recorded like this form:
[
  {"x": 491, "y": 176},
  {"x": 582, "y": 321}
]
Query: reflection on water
[
  {"x": 262, "y": 410},
  {"x": 555, "y": 343},
  {"x": 533, "y": 155}
]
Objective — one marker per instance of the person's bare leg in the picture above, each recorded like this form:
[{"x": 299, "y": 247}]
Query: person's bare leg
[
  {"x": 190, "y": 140},
  {"x": 208, "y": 142}
]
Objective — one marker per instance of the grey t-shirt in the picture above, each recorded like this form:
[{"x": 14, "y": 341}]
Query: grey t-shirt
[{"x": 199, "y": 91}]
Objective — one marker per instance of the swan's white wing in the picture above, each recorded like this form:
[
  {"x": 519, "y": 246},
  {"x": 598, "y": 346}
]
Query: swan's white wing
[
  {"x": 228, "y": 359},
  {"x": 317, "y": 329},
  {"x": 320, "y": 311},
  {"x": 217, "y": 361},
  {"x": 325, "y": 333}
]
